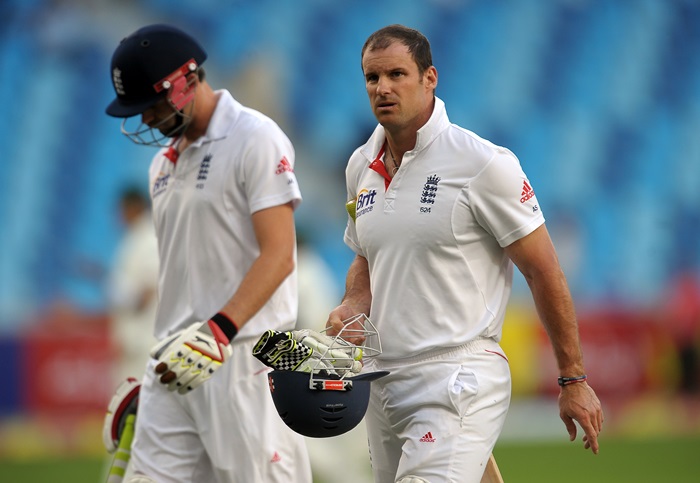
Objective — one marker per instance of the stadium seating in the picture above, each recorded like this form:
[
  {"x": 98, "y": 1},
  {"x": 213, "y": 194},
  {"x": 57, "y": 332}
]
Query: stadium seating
[{"x": 601, "y": 105}]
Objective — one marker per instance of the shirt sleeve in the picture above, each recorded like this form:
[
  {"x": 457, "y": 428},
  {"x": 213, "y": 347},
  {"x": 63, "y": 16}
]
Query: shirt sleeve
[
  {"x": 350, "y": 237},
  {"x": 268, "y": 169},
  {"x": 503, "y": 199}
]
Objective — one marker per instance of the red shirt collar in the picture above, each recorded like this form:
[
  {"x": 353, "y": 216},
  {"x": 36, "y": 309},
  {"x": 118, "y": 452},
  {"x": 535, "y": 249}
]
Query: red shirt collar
[{"x": 378, "y": 166}]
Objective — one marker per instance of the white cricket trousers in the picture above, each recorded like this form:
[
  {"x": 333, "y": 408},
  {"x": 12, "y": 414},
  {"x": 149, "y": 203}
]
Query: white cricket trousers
[
  {"x": 437, "y": 416},
  {"x": 225, "y": 431}
]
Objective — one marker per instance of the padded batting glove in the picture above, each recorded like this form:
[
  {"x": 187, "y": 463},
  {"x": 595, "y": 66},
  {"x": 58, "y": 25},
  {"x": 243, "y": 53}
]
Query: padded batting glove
[
  {"x": 123, "y": 403},
  {"x": 308, "y": 351},
  {"x": 191, "y": 356}
]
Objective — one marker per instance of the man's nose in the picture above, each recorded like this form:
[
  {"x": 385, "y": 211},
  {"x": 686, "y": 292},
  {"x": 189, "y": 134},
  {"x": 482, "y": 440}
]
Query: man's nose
[{"x": 382, "y": 86}]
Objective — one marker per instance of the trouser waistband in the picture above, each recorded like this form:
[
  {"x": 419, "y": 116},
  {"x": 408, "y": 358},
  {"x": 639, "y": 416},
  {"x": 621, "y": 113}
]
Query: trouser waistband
[{"x": 442, "y": 353}]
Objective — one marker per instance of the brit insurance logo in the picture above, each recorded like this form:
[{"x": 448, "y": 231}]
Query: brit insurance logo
[
  {"x": 365, "y": 202},
  {"x": 160, "y": 184}
]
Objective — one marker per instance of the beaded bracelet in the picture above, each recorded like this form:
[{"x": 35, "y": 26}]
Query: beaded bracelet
[{"x": 565, "y": 381}]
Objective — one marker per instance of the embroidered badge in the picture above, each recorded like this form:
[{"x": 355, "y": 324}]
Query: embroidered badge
[
  {"x": 430, "y": 190},
  {"x": 204, "y": 168}
]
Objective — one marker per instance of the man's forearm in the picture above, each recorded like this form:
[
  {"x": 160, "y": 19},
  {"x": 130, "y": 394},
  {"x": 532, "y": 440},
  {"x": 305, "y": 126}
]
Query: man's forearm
[
  {"x": 264, "y": 277},
  {"x": 556, "y": 311},
  {"x": 357, "y": 286}
]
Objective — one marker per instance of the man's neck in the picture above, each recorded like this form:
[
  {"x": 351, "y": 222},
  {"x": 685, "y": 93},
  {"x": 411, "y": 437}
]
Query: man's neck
[{"x": 204, "y": 107}]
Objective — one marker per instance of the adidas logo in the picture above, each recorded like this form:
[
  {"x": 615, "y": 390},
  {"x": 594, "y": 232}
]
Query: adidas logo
[
  {"x": 284, "y": 166},
  {"x": 276, "y": 458},
  {"x": 527, "y": 193},
  {"x": 428, "y": 438}
]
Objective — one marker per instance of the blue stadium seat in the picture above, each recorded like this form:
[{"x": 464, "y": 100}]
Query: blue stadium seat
[{"x": 601, "y": 104}]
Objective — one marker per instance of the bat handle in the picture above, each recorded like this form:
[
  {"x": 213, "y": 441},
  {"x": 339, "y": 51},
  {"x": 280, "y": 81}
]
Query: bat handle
[
  {"x": 123, "y": 454},
  {"x": 492, "y": 474}
]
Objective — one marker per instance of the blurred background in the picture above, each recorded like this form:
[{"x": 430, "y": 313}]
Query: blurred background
[{"x": 600, "y": 100}]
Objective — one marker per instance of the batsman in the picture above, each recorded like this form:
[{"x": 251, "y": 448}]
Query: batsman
[{"x": 223, "y": 192}]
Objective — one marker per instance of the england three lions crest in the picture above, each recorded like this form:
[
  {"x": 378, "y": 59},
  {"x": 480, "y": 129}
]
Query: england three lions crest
[{"x": 430, "y": 190}]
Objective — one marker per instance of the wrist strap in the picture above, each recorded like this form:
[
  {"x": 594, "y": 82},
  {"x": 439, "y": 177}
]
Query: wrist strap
[
  {"x": 565, "y": 381},
  {"x": 227, "y": 325}
]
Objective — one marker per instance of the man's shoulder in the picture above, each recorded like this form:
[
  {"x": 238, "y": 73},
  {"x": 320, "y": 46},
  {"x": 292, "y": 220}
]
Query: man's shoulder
[
  {"x": 247, "y": 121},
  {"x": 252, "y": 120},
  {"x": 464, "y": 139},
  {"x": 360, "y": 159}
]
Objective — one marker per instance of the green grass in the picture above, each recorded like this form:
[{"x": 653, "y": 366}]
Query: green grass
[
  {"x": 66, "y": 470},
  {"x": 620, "y": 461}
]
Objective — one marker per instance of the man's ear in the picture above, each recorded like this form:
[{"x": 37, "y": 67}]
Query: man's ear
[{"x": 430, "y": 77}]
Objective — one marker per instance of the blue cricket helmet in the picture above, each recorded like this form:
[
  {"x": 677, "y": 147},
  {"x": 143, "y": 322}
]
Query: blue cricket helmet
[
  {"x": 144, "y": 60},
  {"x": 321, "y": 407}
]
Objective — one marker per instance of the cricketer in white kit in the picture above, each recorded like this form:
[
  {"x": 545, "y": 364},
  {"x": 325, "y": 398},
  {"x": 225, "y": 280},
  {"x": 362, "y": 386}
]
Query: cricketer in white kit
[
  {"x": 433, "y": 237},
  {"x": 202, "y": 202}
]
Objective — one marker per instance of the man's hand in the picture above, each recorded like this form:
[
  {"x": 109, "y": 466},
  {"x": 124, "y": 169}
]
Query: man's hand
[
  {"x": 348, "y": 323},
  {"x": 579, "y": 402},
  {"x": 191, "y": 356}
]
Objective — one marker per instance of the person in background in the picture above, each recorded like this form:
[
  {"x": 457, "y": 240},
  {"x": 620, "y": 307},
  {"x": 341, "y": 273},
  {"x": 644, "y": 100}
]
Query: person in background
[
  {"x": 438, "y": 218},
  {"x": 133, "y": 286}
]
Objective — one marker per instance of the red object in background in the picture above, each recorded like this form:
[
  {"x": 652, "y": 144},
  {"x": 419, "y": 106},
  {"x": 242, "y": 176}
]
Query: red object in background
[
  {"x": 620, "y": 350},
  {"x": 68, "y": 371}
]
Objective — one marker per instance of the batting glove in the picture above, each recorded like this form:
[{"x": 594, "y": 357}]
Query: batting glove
[
  {"x": 123, "y": 403},
  {"x": 308, "y": 351},
  {"x": 190, "y": 357}
]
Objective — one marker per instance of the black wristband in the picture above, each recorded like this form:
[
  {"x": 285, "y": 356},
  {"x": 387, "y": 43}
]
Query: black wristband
[
  {"x": 227, "y": 325},
  {"x": 565, "y": 381}
]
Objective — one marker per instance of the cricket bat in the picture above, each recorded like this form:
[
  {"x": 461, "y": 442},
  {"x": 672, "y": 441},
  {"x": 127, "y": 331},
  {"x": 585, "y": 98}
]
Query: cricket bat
[
  {"x": 121, "y": 458},
  {"x": 492, "y": 474}
]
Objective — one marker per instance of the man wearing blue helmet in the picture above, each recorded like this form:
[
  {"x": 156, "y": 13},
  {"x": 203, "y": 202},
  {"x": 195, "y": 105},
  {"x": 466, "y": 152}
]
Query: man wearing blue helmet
[{"x": 223, "y": 193}]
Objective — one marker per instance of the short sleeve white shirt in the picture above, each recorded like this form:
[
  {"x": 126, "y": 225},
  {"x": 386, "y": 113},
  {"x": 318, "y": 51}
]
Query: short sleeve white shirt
[
  {"x": 202, "y": 207},
  {"x": 434, "y": 236}
]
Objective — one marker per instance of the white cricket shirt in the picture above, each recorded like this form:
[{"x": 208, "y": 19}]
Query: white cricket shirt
[
  {"x": 434, "y": 235},
  {"x": 202, "y": 207}
]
